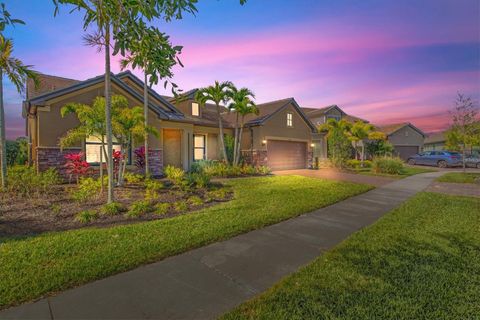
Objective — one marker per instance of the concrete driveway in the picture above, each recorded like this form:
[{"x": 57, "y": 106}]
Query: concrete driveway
[{"x": 333, "y": 174}]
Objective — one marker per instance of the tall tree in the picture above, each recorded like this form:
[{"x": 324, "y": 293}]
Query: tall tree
[
  {"x": 218, "y": 94},
  {"x": 151, "y": 51},
  {"x": 17, "y": 72},
  {"x": 241, "y": 102},
  {"x": 465, "y": 129},
  {"x": 111, "y": 18},
  {"x": 339, "y": 144}
]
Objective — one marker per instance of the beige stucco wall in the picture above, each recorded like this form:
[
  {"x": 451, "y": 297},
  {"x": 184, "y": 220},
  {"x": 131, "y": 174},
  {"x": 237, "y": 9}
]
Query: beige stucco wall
[
  {"x": 406, "y": 136},
  {"x": 276, "y": 128}
]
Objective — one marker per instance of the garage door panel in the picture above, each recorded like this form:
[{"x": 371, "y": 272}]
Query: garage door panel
[
  {"x": 404, "y": 152},
  {"x": 284, "y": 155}
]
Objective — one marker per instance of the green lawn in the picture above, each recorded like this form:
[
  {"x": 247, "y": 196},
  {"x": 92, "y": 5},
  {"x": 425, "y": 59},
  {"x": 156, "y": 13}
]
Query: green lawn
[
  {"x": 407, "y": 171},
  {"x": 459, "y": 177},
  {"x": 33, "y": 266},
  {"x": 421, "y": 261}
]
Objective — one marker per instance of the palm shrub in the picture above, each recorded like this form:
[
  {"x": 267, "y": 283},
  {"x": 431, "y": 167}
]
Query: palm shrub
[
  {"x": 139, "y": 208},
  {"x": 87, "y": 189},
  {"x": 152, "y": 187},
  {"x": 26, "y": 182},
  {"x": 86, "y": 216},
  {"x": 174, "y": 175},
  {"x": 388, "y": 165}
]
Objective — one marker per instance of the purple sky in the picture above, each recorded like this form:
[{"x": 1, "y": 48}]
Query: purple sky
[{"x": 386, "y": 61}]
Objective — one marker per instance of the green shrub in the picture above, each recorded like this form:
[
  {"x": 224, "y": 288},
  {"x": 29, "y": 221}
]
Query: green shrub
[
  {"x": 87, "y": 188},
  {"x": 112, "y": 208},
  {"x": 195, "y": 201},
  {"x": 133, "y": 178},
  {"x": 353, "y": 163},
  {"x": 218, "y": 194},
  {"x": 86, "y": 216},
  {"x": 162, "y": 208},
  {"x": 234, "y": 171},
  {"x": 151, "y": 189},
  {"x": 263, "y": 170},
  {"x": 388, "y": 165},
  {"x": 56, "y": 208},
  {"x": 199, "y": 166},
  {"x": 25, "y": 181},
  {"x": 248, "y": 170},
  {"x": 180, "y": 206},
  {"x": 367, "y": 163},
  {"x": 199, "y": 180},
  {"x": 175, "y": 175},
  {"x": 139, "y": 208}
]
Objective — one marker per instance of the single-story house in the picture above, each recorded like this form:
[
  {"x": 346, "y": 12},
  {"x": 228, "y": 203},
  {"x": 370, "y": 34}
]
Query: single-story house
[
  {"x": 406, "y": 139},
  {"x": 184, "y": 136},
  {"x": 280, "y": 137}
]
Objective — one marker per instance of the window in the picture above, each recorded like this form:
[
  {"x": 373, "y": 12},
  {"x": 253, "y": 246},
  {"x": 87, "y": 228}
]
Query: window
[
  {"x": 333, "y": 116},
  {"x": 406, "y": 133},
  {"x": 93, "y": 149},
  {"x": 195, "y": 109},
  {"x": 199, "y": 145},
  {"x": 289, "y": 120}
]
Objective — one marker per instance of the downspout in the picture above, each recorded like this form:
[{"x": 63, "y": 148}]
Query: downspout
[{"x": 251, "y": 145}]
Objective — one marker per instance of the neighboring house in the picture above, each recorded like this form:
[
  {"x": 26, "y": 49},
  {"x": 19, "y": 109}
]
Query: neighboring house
[
  {"x": 406, "y": 139},
  {"x": 184, "y": 136},
  {"x": 434, "y": 142}
]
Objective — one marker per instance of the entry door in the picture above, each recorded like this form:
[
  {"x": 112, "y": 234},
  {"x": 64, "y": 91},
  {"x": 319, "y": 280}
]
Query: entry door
[{"x": 172, "y": 147}]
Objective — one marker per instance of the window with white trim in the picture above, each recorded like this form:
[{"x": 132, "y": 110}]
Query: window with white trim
[
  {"x": 289, "y": 119},
  {"x": 93, "y": 148},
  {"x": 199, "y": 147},
  {"x": 195, "y": 109}
]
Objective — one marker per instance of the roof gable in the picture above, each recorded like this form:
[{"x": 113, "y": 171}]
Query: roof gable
[{"x": 392, "y": 128}]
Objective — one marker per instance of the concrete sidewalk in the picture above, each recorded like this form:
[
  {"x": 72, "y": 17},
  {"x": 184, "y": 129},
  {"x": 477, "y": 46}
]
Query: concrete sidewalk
[{"x": 206, "y": 282}]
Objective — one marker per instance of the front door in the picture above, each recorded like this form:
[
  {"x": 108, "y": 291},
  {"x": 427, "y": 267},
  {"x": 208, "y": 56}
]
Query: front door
[{"x": 172, "y": 147}]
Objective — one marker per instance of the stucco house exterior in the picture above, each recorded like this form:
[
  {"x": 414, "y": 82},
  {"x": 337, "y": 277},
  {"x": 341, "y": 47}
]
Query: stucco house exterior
[
  {"x": 406, "y": 139},
  {"x": 434, "y": 142},
  {"x": 183, "y": 137}
]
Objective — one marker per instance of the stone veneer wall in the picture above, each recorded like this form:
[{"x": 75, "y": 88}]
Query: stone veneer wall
[
  {"x": 155, "y": 159},
  {"x": 310, "y": 159},
  {"x": 53, "y": 158},
  {"x": 255, "y": 157}
]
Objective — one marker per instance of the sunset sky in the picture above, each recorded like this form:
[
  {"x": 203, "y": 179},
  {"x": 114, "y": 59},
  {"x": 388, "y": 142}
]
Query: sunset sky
[{"x": 383, "y": 60}]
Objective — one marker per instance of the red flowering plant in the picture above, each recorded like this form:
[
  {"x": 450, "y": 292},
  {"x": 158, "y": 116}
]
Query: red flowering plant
[
  {"x": 76, "y": 165},
  {"x": 117, "y": 157},
  {"x": 140, "y": 157}
]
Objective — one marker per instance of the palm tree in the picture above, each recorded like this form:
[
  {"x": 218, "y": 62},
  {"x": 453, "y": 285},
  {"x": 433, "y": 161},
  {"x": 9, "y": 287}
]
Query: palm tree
[
  {"x": 18, "y": 73},
  {"x": 218, "y": 93},
  {"x": 360, "y": 131},
  {"x": 242, "y": 105}
]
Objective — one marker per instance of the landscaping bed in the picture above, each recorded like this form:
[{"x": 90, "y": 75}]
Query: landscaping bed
[
  {"x": 420, "y": 261},
  {"x": 58, "y": 211},
  {"x": 52, "y": 261}
]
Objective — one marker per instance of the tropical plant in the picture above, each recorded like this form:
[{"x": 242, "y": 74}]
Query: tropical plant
[
  {"x": 465, "y": 129},
  {"x": 218, "y": 94},
  {"x": 140, "y": 157},
  {"x": 26, "y": 182},
  {"x": 338, "y": 142},
  {"x": 17, "y": 151},
  {"x": 76, "y": 165},
  {"x": 17, "y": 73},
  {"x": 241, "y": 102},
  {"x": 87, "y": 189},
  {"x": 112, "y": 208},
  {"x": 162, "y": 208},
  {"x": 86, "y": 216},
  {"x": 175, "y": 175},
  {"x": 139, "y": 208},
  {"x": 379, "y": 148},
  {"x": 151, "y": 51},
  {"x": 359, "y": 132}
]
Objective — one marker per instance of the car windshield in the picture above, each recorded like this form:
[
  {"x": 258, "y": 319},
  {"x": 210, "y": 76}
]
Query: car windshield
[{"x": 454, "y": 153}]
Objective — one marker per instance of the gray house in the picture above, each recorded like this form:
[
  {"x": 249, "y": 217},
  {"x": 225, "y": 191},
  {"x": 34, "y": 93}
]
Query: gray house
[{"x": 405, "y": 138}]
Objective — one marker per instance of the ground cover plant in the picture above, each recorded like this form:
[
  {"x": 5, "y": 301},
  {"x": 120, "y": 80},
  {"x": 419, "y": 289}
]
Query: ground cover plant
[
  {"x": 36, "y": 203},
  {"x": 421, "y": 261},
  {"x": 54, "y": 261},
  {"x": 222, "y": 170},
  {"x": 460, "y": 177}
]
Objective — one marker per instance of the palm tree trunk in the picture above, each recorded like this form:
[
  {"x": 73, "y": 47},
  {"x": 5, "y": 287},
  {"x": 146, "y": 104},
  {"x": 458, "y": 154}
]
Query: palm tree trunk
[
  {"x": 235, "y": 141},
  {"x": 222, "y": 140},
  {"x": 145, "y": 115},
  {"x": 240, "y": 134},
  {"x": 108, "y": 116},
  {"x": 3, "y": 144}
]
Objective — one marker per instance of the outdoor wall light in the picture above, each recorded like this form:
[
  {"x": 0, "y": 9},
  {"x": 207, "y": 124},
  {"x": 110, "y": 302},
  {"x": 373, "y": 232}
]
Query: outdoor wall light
[
  {"x": 264, "y": 142},
  {"x": 312, "y": 145}
]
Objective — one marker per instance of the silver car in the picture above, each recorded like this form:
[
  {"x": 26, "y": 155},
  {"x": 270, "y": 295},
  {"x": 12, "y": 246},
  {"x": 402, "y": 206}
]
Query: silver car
[{"x": 473, "y": 161}]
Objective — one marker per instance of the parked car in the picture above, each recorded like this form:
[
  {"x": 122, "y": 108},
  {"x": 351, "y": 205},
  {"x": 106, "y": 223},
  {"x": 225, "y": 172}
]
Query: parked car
[
  {"x": 473, "y": 162},
  {"x": 442, "y": 159}
]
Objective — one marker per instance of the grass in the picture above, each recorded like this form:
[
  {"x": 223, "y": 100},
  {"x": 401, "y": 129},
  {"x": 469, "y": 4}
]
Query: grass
[
  {"x": 459, "y": 177},
  {"x": 407, "y": 172},
  {"x": 421, "y": 261},
  {"x": 38, "y": 265}
]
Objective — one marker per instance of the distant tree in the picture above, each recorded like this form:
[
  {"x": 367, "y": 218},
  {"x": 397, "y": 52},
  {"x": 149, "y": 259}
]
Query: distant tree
[
  {"x": 218, "y": 94},
  {"x": 379, "y": 147},
  {"x": 241, "y": 102},
  {"x": 360, "y": 132},
  {"x": 465, "y": 129},
  {"x": 17, "y": 72}
]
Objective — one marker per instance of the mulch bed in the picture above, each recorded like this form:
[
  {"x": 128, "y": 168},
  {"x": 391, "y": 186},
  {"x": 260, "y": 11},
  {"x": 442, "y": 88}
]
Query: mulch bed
[{"x": 56, "y": 211}]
